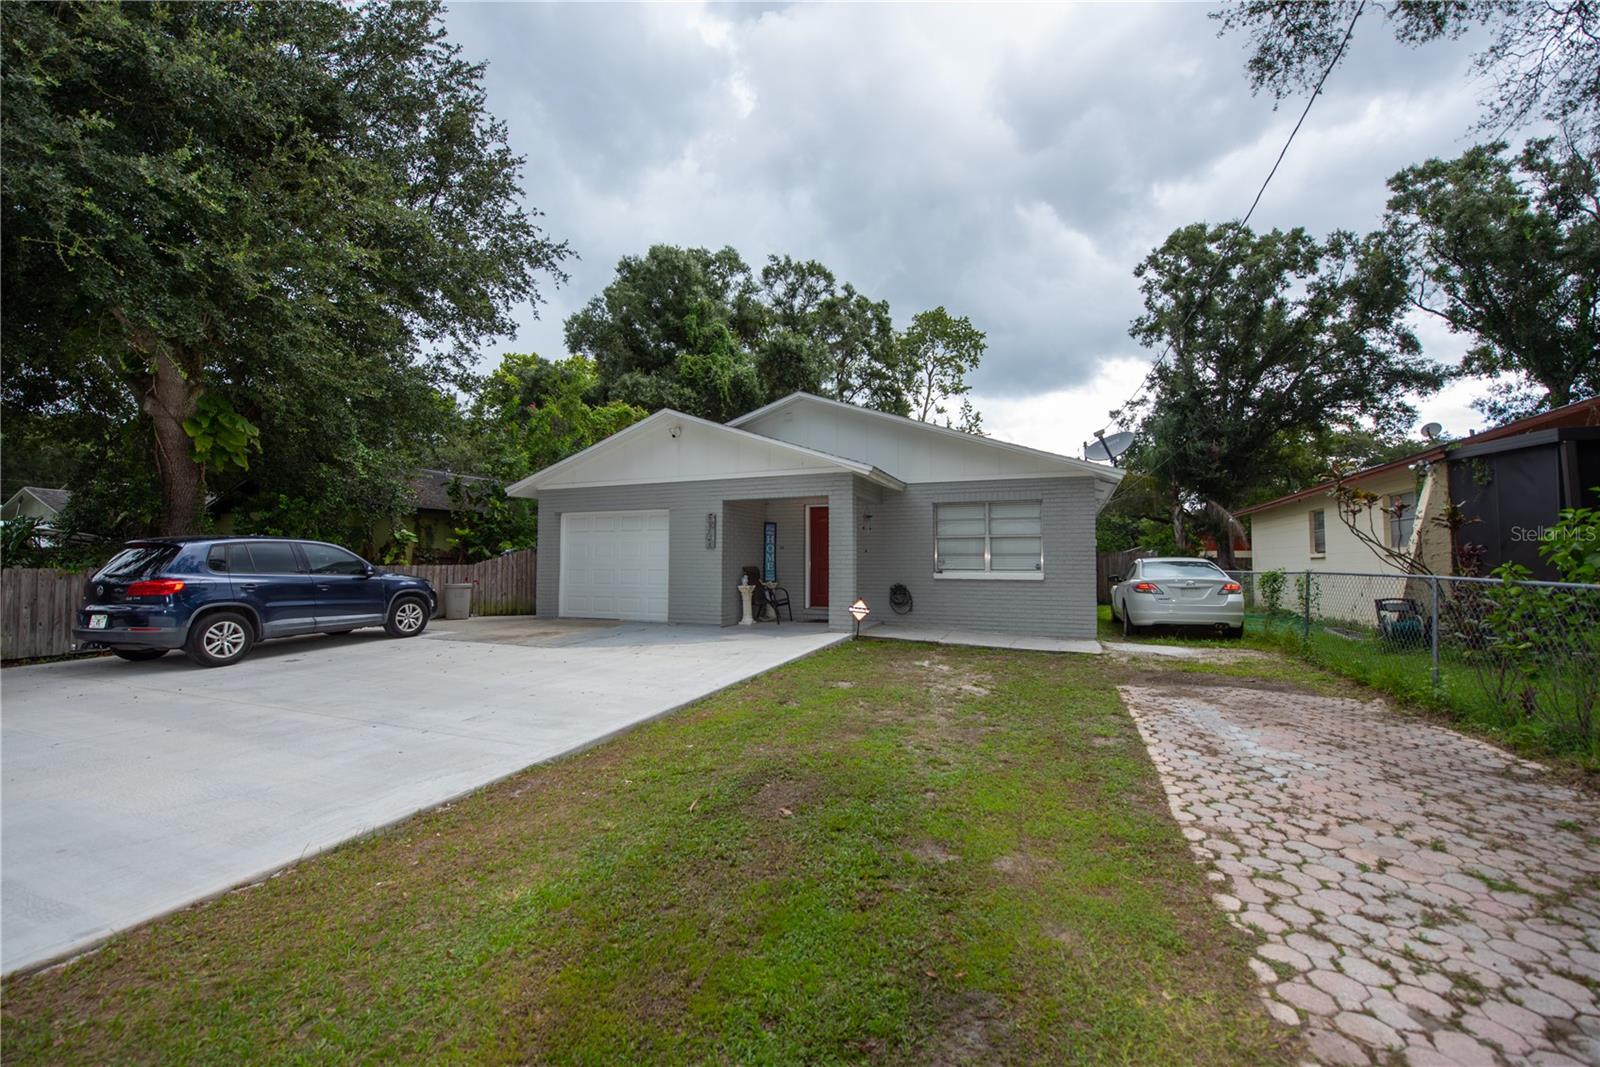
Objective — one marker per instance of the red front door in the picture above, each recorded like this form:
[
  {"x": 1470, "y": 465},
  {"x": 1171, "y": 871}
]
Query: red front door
[{"x": 817, "y": 546}]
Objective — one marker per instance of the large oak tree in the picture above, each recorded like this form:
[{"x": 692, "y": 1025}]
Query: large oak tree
[
  {"x": 1507, "y": 252},
  {"x": 249, "y": 214},
  {"x": 1269, "y": 337},
  {"x": 1541, "y": 59}
]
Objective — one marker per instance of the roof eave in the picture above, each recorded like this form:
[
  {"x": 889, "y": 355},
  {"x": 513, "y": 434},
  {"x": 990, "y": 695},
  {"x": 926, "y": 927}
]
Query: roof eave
[
  {"x": 527, "y": 486},
  {"x": 1111, "y": 474}
]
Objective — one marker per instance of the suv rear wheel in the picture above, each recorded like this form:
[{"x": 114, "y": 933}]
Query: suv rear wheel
[
  {"x": 220, "y": 639},
  {"x": 408, "y": 617}
]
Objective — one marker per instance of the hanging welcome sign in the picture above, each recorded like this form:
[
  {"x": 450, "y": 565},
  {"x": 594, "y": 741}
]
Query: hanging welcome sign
[{"x": 769, "y": 554}]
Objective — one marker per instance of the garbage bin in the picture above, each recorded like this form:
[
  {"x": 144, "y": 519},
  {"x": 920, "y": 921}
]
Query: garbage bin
[{"x": 457, "y": 600}]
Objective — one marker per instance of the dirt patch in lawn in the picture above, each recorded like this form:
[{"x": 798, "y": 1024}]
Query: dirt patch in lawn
[
  {"x": 1198, "y": 680},
  {"x": 972, "y": 1028},
  {"x": 782, "y": 798},
  {"x": 932, "y": 852}
]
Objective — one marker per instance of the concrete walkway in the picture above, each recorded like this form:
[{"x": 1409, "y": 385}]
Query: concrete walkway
[
  {"x": 132, "y": 789},
  {"x": 944, "y": 635},
  {"x": 1421, "y": 897}
]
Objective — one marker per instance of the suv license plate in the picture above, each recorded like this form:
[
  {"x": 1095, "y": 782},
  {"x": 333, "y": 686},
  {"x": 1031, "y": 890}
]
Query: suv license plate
[{"x": 98, "y": 622}]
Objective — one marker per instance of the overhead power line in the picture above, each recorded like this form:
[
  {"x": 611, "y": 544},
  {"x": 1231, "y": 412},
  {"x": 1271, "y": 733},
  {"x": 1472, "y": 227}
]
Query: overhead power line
[{"x": 1211, "y": 281}]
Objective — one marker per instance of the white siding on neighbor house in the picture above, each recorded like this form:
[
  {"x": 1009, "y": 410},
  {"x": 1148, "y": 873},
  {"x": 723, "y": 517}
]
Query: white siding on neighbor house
[
  {"x": 1280, "y": 537},
  {"x": 652, "y": 454},
  {"x": 904, "y": 449}
]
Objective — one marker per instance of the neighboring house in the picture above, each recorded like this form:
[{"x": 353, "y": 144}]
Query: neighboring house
[
  {"x": 1510, "y": 484},
  {"x": 428, "y": 515},
  {"x": 658, "y": 521},
  {"x": 32, "y": 502},
  {"x": 430, "y": 496}
]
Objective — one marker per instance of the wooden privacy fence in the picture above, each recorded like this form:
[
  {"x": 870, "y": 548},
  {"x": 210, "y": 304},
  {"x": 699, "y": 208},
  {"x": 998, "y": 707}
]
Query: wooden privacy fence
[
  {"x": 1109, "y": 563},
  {"x": 505, "y": 584},
  {"x": 36, "y": 610},
  {"x": 37, "y": 605}
]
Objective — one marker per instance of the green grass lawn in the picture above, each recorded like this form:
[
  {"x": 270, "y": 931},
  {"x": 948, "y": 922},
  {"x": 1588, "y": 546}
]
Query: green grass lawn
[{"x": 885, "y": 852}]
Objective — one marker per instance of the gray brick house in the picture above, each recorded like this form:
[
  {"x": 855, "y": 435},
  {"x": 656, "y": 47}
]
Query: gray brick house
[{"x": 658, "y": 522}]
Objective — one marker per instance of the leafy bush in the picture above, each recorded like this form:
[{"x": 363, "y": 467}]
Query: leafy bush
[
  {"x": 1269, "y": 587},
  {"x": 26, "y": 542}
]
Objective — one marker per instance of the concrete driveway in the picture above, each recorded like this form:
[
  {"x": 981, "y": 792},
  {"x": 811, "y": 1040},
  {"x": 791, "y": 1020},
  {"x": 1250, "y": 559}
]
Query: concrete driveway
[{"x": 132, "y": 789}]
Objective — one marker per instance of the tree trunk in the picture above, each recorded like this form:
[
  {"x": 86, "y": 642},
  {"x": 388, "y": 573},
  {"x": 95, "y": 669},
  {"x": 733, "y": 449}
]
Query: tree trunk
[
  {"x": 1225, "y": 556},
  {"x": 169, "y": 400}
]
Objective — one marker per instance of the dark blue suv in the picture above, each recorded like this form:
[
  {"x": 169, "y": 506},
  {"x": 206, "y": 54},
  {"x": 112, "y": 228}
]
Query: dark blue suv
[{"x": 215, "y": 597}]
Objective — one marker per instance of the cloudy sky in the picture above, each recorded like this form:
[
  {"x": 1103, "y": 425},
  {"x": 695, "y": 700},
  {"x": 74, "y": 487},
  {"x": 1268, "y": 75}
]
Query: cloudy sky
[{"x": 1013, "y": 163}]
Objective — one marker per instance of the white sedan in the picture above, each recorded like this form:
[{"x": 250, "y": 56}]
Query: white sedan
[{"x": 1177, "y": 592}]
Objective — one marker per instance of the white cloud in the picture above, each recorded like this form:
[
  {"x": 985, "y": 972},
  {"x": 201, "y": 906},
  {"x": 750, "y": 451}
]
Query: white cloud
[
  {"x": 1013, "y": 163},
  {"x": 1062, "y": 420}
]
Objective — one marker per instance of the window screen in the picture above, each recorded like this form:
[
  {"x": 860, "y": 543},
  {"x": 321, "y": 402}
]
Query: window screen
[{"x": 994, "y": 537}]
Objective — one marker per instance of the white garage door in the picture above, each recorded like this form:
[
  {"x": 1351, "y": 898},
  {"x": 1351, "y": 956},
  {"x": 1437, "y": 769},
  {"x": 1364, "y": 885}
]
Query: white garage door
[{"x": 614, "y": 565}]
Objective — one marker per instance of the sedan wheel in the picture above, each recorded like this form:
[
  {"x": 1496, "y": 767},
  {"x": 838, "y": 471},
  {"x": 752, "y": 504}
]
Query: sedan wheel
[{"x": 1128, "y": 628}]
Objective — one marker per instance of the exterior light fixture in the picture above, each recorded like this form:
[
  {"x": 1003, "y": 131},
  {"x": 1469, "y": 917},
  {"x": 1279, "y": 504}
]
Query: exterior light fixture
[{"x": 859, "y": 611}]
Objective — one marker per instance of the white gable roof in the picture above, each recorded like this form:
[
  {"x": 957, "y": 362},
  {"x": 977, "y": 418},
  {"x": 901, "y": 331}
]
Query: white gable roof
[
  {"x": 670, "y": 446},
  {"x": 910, "y": 450}
]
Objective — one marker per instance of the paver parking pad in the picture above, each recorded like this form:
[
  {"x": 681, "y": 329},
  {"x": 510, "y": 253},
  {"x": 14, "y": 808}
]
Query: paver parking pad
[{"x": 1420, "y": 895}]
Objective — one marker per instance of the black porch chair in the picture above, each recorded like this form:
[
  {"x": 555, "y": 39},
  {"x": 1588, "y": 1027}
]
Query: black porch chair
[{"x": 768, "y": 595}]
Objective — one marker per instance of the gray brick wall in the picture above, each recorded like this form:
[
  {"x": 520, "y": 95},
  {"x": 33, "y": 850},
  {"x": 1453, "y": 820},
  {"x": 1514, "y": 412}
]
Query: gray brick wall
[
  {"x": 899, "y": 548},
  {"x": 741, "y": 547},
  {"x": 701, "y": 581}
]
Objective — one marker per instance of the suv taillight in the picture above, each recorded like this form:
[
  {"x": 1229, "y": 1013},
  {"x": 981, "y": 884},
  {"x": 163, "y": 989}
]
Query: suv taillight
[{"x": 155, "y": 587}]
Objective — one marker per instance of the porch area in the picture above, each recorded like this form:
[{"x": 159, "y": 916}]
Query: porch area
[{"x": 794, "y": 543}]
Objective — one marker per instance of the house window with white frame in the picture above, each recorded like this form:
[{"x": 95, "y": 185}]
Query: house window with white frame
[
  {"x": 1319, "y": 532},
  {"x": 1001, "y": 539},
  {"x": 1402, "y": 519}
]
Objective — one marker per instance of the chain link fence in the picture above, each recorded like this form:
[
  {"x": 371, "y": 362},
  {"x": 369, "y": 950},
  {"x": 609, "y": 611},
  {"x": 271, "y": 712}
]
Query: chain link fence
[{"x": 1522, "y": 655}]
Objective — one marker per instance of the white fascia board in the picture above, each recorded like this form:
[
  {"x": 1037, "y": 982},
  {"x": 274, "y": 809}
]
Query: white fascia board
[
  {"x": 1082, "y": 466},
  {"x": 527, "y": 486},
  {"x": 532, "y": 481}
]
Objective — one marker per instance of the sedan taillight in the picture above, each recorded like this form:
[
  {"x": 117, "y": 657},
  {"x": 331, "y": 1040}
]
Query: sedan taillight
[
  {"x": 1231, "y": 587},
  {"x": 1146, "y": 587},
  {"x": 155, "y": 587}
]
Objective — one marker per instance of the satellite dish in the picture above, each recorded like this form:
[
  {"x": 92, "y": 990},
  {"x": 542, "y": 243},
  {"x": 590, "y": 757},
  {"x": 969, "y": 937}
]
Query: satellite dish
[
  {"x": 1432, "y": 431},
  {"x": 1107, "y": 449}
]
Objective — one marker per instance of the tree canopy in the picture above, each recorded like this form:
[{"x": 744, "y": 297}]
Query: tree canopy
[
  {"x": 1272, "y": 336},
  {"x": 1507, "y": 250},
  {"x": 699, "y": 331},
  {"x": 274, "y": 228},
  {"x": 1542, "y": 60}
]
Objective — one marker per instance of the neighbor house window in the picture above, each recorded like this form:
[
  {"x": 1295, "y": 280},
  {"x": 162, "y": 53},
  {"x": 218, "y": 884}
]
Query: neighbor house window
[
  {"x": 1319, "y": 533},
  {"x": 999, "y": 539},
  {"x": 1402, "y": 518}
]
